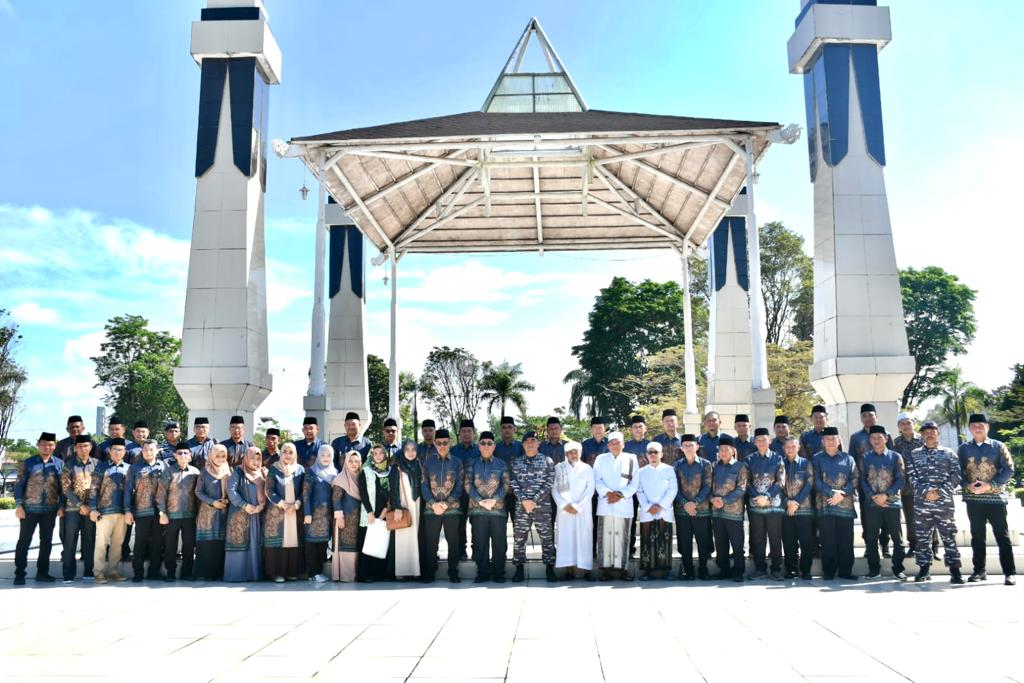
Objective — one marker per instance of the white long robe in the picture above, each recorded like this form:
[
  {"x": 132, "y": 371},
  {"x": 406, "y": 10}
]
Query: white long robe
[
  {"x": 616, "y": 474},
  {"x": 657, "y": 485},
  {"x": 574, "y": 540}
]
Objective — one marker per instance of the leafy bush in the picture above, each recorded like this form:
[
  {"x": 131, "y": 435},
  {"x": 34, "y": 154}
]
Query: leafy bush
[{"x": 6, "y": 503}]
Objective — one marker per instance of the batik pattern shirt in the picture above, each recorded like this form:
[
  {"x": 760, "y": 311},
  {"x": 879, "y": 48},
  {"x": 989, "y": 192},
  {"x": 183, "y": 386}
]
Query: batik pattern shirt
[
  {"x": 141, "y": 488},
  {"x": 694, "y": 479},
  {"x": 767, "y": 477},
  {"x": 76, "y": 482},
  {"x": 176, "y": 496},
  {"x": 835, "y": 472},
  {"x": 443, "y": 481},
  {"x": 882, "y": 473},
  {"x": 211, "y": 523},
  {"x": 990, "y": 462},
  {"x": 37, "y": 488},
  {"x": 487, "y": 478},
  {"x": 799, "y": 485},
  {"x": 108, "y": 486},
  {"x": 729, "y": 482}
]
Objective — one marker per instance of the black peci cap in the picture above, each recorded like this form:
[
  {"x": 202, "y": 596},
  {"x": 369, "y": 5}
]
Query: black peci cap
[
  {"x": 201, "y": 421},
  {"x": 781, "y": 420},
  {"x": 237, "y": 420},
  {"x": 117, "y": 442},
  {"x": 273, "y": 431},
  {"x": 116, "y": 420},
  {"x": 83, "y": 438},
  {"x": 867, "y": 408},
  {"x": 75, "y": 418},
  {"x": 688, "y": 437},
  {"x": 428, "y": 423},
  {"x": 442, "y": 434},
  {"x": 487, "y": 435},
  {"x": 726, "y": 440},
  {"x": 391, "y": 422},
  {"x": 598, "y": 421},
  {"x": 761, "y": 431},
  {"x": 668, "y": 412},
  {"x": 140, "y": 424},
  {"x": 978, "y": 417},
  {"x": 309, "y": 420},
  {"x": 742, "y": 417},
  {"x": 508, "y": 420},
  {"x": 47, "y": 436},
  {"x": 819, "y": 409},
  {"x": 171, "y": 424},
  {"x": 637, "y": 420},
  {"x": 876, "y": 429},
  {"x": 554, "y": 421},
  {"x": 529, "y": 435},
  {"x": 466, "y": 423},
  {"x": 352, "y": 416},
  {"x": 830, "y": 431}
]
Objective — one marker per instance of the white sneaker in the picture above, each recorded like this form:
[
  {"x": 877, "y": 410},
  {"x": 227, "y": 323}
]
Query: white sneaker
[
  {"x": 320, "y": 578},
  {"x": 278, "y": 579}
]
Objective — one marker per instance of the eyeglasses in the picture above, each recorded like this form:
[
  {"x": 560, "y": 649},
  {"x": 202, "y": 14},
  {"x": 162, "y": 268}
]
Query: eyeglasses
[
  {"x": 442, "y": 442},
  {"x": 486, "y": 443},
  {"x": 653, "y": 450}
]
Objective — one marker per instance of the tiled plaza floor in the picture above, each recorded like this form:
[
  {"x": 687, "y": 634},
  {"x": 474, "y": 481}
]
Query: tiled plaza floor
[{"x": 771, "y": 632}]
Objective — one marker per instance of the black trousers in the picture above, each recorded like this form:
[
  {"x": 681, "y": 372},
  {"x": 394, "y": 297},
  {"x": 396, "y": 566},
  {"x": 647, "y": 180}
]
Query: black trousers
[
  {"x": 432, "y": 526},
  {"x": 836, "y": 545},
  {"x": 149, "y": 545},
  {"x": 766, "y": 530},
  {"x": 981, "y": 514},
  {"x": 728, "y": 532},
  {"x": 126, "y": 545},
  {"x": 883, "y": 536},
  {"x": 316, "y": 555},
  {"x": 875, "y": 521},
  {"x": 798, "y": 542},
  {"x": 687, "y": 529},
  {"x": 77, "y": 526},
  {"x": 460, "y": 546},
  {"x": 186, "y": 530},
  {"x": 490, "y": 544},
  {"x": 44, "y": 521}
]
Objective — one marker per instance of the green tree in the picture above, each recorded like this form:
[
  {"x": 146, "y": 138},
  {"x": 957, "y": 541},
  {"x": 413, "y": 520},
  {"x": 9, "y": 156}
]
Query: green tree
[
  {"x": 1008, "y": 417},
  {"x": 628, "y": 323},
  {"x": 503, "y": 384},
  {"x": 786, "y": 274},
  {"x": 787, "y": 373},
  {"x": 408, "y": 398},
  {"x": 136, "y": 368},
  {"x": 959, "y": 398},
  {"x": 579, "y": 382},
  {"x": 377, "y": 379},
  {"x": 12, "y": 375},
  {"x": 939, "y": 312},
  {"x": 450, "y": 382}
]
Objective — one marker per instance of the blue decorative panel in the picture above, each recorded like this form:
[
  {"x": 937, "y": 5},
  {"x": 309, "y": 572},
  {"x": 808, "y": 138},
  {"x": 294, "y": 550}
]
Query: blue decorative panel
[
  {"x": 812, "y": 123},
  {"x": 229, "y": 13},
  {"x": 736, "y": 226},
  {"x": 836, "y": 129},
  {"x": 339, "y": 236},
  {"x": 865, "y": 68},
  {"x": 241, "y": 80},
  {"x": 211, "y": 92}
]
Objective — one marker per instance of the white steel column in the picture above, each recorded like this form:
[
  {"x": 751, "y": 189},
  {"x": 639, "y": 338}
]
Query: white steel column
[
  {"x": 318, "y": 341},
  {"x": 691, "y": 415},
  {"x": 758, "y": 331},
  {"x": 393, "y": 369}
]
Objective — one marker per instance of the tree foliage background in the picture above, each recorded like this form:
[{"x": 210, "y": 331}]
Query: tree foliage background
[
  {"x": 12, "y": 375},
  {"x": 136, "y": 368}
]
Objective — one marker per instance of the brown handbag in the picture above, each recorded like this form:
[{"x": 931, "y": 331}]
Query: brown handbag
[{"x": 392, "y": 520}]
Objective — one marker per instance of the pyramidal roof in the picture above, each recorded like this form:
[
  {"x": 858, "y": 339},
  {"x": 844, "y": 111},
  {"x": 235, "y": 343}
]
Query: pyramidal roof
[{"x": 517, "y": 91}]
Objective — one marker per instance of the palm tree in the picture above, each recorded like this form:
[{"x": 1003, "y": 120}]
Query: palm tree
[
  {"x": 503, "y": 383},
  {"x": 579, "y": 392},
  {"x": 960, "y": 398}
]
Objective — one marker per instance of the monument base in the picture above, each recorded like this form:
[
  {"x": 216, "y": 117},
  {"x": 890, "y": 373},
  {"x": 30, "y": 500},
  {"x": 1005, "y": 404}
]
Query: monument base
[
  {"x": 318, "y": 407},
  {"x": 221, "y": 393},
  {"x": 761, "y": 410},
  {"x": 847, "y": 383}
]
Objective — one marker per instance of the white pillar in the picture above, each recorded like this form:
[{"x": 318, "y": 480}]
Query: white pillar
[
  {"x": 224, "y": 368},
  {"x": 393, "y": 366},
  {"x": 861, "y": 353},
  {"x": 691, "y": 416},
  {"x": 758, "y": 331},
  {"x": 316, "y": 403}
]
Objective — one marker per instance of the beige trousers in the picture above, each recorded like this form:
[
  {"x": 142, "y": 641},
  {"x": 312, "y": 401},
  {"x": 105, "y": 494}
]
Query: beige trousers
[{"x": 110, "y": 531}]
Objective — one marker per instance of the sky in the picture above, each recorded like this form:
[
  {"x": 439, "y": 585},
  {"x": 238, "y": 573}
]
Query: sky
[{"x": 99, "y": 108}]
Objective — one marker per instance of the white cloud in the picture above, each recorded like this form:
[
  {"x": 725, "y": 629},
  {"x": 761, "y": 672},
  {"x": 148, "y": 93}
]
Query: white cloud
[
  {"x": 32, "y": 313},
  {"x": 81, "y": 349}
]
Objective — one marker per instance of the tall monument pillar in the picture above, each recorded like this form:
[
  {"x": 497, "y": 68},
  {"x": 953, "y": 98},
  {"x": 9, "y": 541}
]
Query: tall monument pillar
[
  {"x": 224, "y": 367},
  {"x": 730, "y": 343},
  {"x": 860, "y": 341},
  {"x": 346, "y": 385}
]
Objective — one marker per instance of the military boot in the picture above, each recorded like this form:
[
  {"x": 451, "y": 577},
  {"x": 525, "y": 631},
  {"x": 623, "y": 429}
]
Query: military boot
[
  {"x": 923, "y": 574},
  {"x": 955, "y": 577},
  {"x": 520, "y": 574}
]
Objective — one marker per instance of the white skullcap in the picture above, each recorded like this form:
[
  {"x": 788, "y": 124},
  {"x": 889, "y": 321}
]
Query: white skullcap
[
  {"x": 655, "y": 445},
  {"x": 616, "y": 436},
  {"x": 904, "y": 416},
  {"x": 573, "y": 446}
]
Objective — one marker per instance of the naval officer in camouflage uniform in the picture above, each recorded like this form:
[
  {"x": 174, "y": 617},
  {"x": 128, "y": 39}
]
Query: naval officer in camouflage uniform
[
  {"x": 934, "y": 476},
  {"x": 532, "y": 477}
]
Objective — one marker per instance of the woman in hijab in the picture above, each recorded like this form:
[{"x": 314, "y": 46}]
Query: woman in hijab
[
  {"x": 348, "y": 507},
  {"x": 374, "y": 491},
  {"x": 211, "y": 520},
  {"x": 247, "y": 494},
  {"x": 404, "y": 490},
  {"x": 282, "y": 527},
  {"x": 316, "y": 503}
]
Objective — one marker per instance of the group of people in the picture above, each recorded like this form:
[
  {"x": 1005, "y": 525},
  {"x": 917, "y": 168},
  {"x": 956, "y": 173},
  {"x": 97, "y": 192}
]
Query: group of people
[{"x": 209, "y": 510}]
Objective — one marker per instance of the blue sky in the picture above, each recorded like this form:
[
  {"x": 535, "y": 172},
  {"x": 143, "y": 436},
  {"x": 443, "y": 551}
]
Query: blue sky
[{"x": 97, "y": 189}]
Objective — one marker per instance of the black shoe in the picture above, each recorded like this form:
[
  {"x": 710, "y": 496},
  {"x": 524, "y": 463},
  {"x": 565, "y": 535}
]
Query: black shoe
[
  {"x": 721, "y": 576},
  {"x": 886, "y": 553},
  {"x": 427, "y": 579},
  {"x": 978, "y": 576},
  {"x": 589, "y": 576},
  {"x": 955, "y": 577},
  {"x": 455, "y": 579},
  {"x": 791, "y": 575},
  {"x": 702, "y": 574},
  {"x": 463, "y": 556},
  {"x": 738, "y": 578},
  {"x": 625, "y": 576},
  {"x": 569, "y": 575},
  {"x": 499, "y": 579},
  {"x": 19, "y": 580},
  {"x": 137, "y": 578},
  {"x": 169, "y": 578},
  {"x": 849, "y": 577},
  {"x": 923, "y": 574},
  {"x": 645, "y": 577},
  {"x": 807, "y": 577},
  {"x": 900, "y": 576},
  {"x": 481, "y": 579},
  {"x": 1009, "y": 580},
  {"x": 45, "y": 578},
  {"x": 520, "y": 574},
  {"x": 549, "y": 574}
]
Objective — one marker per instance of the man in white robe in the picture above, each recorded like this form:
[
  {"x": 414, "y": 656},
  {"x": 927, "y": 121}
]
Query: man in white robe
[
  {"x": 656, "y": 496},
  {"x": 616, "y": 477},
  {"x": 573, "y": 492}
]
